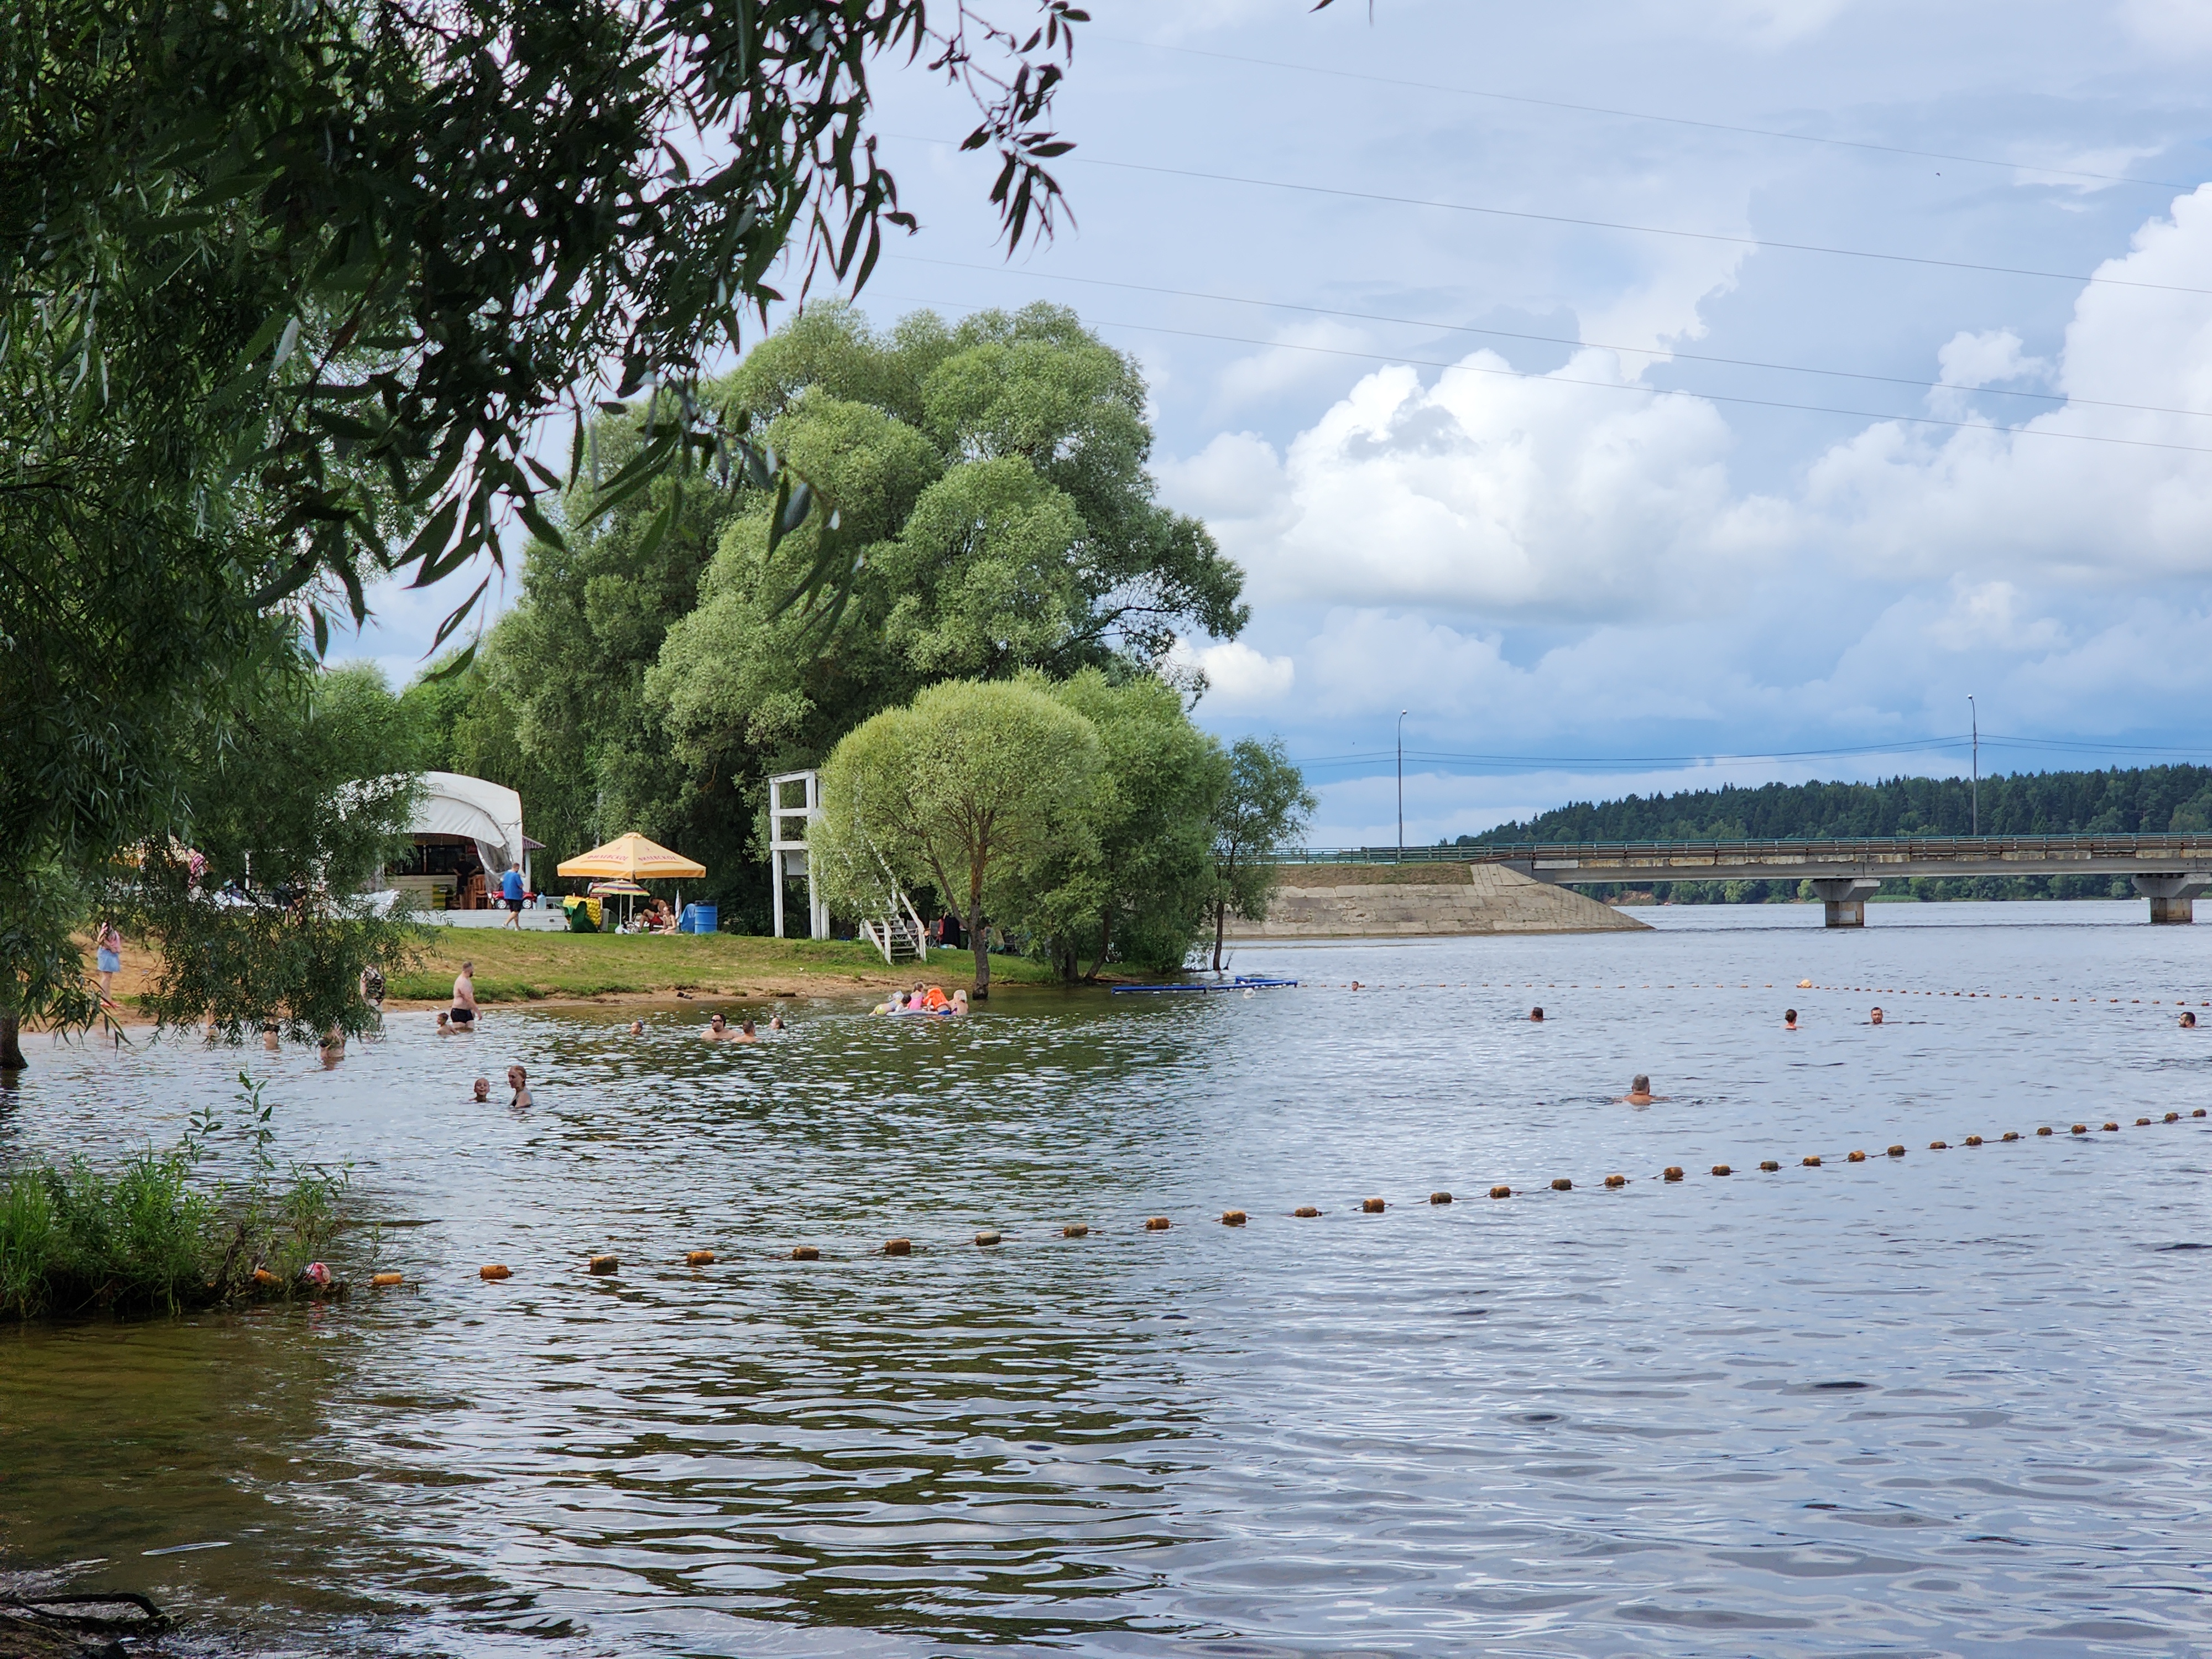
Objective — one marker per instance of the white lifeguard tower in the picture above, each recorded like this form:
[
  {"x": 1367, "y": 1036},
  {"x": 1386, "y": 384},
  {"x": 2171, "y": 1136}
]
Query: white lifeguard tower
[{"x": 785, "y": 845}]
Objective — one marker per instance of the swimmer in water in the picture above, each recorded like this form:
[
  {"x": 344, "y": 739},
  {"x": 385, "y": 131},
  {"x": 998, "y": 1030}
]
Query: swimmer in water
[
  {"x": 1789, "y": 1019},
  {"x": 1874, "y": 1018},
  {"x": 1536, "y": 1015},
  {"x": 519, "y": 1080},
  {"x": 445, "y": 1025},
  {"x": 2189, "y": 1021},
  {"x": 718, "y": 1029},
  {"x": 1639, "y": 1091},
  {"x": 483, "y": 1096},
  {"x": 775, "y": 1023},
  {"x": 637, "y": 1028},
  {"x": 748, "y": 1035},
  {"x": 960, "y": 1002}
]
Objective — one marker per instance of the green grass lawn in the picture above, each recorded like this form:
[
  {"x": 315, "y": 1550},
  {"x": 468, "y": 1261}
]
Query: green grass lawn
[{"x": 517, "y": 967}]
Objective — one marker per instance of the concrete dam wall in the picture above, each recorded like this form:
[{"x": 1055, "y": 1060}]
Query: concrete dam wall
[{"x": 1369, "y": 900}]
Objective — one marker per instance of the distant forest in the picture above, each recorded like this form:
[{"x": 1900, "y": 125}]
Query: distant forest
[{"x": 2141, "y": 800}]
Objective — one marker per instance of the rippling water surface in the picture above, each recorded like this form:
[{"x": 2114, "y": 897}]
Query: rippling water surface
[{"x": 1955, "y": 1402}]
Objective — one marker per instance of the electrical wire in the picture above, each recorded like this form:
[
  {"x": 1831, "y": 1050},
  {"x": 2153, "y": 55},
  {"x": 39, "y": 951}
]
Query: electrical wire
[
  {"x": 1616, "y": 385},
  {"x": 1645, "y": 115},
  {"x": 1614, "y": 763},
  {"x": 1661, "y": 353},
  {"x": 1622, "y": 225}
]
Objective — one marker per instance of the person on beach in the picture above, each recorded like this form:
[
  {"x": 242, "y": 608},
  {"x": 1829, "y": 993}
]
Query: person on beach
[
  {"x": 519, "y": 1080},
  {"x": 483, "y": 1095},
  {"x": 510, "y": 891},
  {"x": 1874, "y": 1018},
  {"x": 464, "y": 1011},
  {"x": 718, "y": 1029},
  {"x": 1789, "y": 1019},
  {"x": 109, "y": 947}
]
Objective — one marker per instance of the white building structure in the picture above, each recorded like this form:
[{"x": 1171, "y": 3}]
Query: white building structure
[{"x": 788, "y": 818}]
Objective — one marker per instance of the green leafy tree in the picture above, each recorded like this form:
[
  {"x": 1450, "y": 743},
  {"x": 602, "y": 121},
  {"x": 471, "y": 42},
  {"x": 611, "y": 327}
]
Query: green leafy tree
[
  {"x": 1135, "y": 889},
  {"x": 969, "y": 789},
  {"x": 1264, "y": 808}
]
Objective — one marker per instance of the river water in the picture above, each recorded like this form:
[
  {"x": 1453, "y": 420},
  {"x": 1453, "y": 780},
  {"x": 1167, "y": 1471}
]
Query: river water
[{"x": 1951, "y": 1403}]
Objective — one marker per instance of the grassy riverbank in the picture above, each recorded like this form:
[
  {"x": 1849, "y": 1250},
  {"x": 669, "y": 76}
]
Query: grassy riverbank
[{"x": 520, "y": 967}]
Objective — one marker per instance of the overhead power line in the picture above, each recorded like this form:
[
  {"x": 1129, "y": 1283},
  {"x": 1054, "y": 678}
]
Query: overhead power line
[
  {"x": 1622, "y": 225},
  {"x": 1647, "y": 115},
  {"x": 1619, "y": 763},
  {"x": 1552, "y": 339}
]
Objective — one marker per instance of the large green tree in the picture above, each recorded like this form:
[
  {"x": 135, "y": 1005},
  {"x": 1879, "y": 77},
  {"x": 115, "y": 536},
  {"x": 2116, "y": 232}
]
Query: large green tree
[
  {"x": 1263, "y": 806},
  {"x": 971, "y": 790}
]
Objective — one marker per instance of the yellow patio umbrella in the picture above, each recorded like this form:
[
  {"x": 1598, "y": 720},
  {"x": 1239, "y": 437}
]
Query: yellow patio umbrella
[{"x": 634, "y": 858}]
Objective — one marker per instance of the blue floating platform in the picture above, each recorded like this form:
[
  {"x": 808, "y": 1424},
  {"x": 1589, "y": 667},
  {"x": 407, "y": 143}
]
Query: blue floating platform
[{"x": 1241, "y": 982}]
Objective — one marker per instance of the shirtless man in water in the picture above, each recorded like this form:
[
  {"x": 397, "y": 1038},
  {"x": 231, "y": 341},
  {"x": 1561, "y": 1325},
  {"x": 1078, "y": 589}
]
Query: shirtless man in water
[
  {"x": 718, "y": 1030},
  {"x": 1874, "y": 1018},
  {"x": 1789, "y": 1019},
  {"x": 464, "y": 1011},
  {"x": 1639, "y": 1091}
]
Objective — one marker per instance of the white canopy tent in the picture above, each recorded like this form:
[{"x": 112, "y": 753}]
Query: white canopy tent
[{"x": 489, "y": 814}]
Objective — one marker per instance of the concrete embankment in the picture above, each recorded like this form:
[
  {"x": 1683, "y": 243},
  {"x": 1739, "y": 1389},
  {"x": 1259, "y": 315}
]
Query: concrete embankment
[{"x": 1357, "y": 900}]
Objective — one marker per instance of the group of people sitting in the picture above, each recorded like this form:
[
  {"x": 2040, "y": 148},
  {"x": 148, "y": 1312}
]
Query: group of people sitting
[
  {"x": 923, "y": 999},
  {"x": 655, "y": 918}
]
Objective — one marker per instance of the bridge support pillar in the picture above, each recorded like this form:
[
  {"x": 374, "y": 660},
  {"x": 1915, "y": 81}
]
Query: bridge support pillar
[
  {"x": 1845, "y": 898},
  {"x": 2172, "y": 896}
]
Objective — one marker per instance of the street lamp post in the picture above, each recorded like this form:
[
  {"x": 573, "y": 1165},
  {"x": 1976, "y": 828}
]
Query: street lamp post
[
  {"x": 1974, "y": 715},
  {"x": 1401, "y": 784}
]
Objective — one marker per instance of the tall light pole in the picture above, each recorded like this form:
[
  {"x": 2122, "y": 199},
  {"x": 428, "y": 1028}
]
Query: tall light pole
[
  {"x": 1401, "y": 784},
  {"x": 1974, "y": 715}
]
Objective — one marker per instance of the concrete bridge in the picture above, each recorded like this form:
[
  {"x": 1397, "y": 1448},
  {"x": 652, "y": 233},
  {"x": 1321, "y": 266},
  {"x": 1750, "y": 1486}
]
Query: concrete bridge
[{"x": 2170, "y": 871}]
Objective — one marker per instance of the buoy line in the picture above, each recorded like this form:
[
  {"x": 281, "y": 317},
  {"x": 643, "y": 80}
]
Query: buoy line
[
  {"x": 2051, "y": 998},
  {"x": 607, "y": 1266}
]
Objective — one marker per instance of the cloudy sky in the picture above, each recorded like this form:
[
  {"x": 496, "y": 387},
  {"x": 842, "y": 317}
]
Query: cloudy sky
[{"x": 1644, "y": 395}]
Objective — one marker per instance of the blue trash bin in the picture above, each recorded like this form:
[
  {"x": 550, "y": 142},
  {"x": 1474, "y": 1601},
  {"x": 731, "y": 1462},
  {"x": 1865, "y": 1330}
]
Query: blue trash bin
[{"x": 698, "y": 919}]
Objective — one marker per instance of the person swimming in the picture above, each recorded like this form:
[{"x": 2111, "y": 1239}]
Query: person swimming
[
  {"x": 637, "y": 1028},
  {"x": 1789, "y": 1019},
  {"x": 1536, "y": 1015},
  {"x": 1874, "y": 1018},
  {"x": 1639, "y": 1091},
  {"x": 2189, "y": 1021},
  {"x": 718, "y": 1029},
  {"x": 519, "y": 1080},
  {"x": 746, "y": 1034},
  {"x": 775, "y": 1022},
  {"x": 483, "y": 1095}
]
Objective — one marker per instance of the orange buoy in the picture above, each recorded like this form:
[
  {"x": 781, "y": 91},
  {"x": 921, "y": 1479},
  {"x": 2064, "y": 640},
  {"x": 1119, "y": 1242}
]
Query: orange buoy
[
  {"x": 1440, "y": 1198},
  {"x": 1813, "y": 1161},
  {"x": 1722, "y": 1168},
  {"x": 2045, "y": 1130},
  {"x": 1232, "y": 1217},
  {"x": 1158, "y": 1223},
  {"x": 496, "y": 1270},
  {"x": 2009, "y": 1134},
  {"x": 2081, "y": 1128},
  {"x": 1855, "y": 1158},
  {"x": 385, "y": 1281},
  {"x": 804, "y": 1253},
  {"x": 1672, "y": 1172},
  {"x": 1897, "y": 1151},
  {"x": 1501, "y": 1192},
  {"x": 1616, "y": 1181},
  {"x": 602, "y": 1265},
  {"x": 698, "y": 1258},
  {"x": 2199, "y": 1112},
  {"x": 1307, "y": 1211},
  {"x": 2142, "y": 1122},
  {"x": 2111, "y": 1128},
  {"x": 1973, "y": 1140},
  {"x": 1768, "y": 1165},
  {"x": 2173, "y": 1117},
  {"x": 1372, "y": 1206},
  {"x": 1939, "y": 1147},
  {"x": 898, "y": 1246},
  {"x": 1563, "y": 1185},
  {"x": 987, "y": 1238},
  {"x": 263, "y": 1278},
  {"x": 1075, "y": 1230}
]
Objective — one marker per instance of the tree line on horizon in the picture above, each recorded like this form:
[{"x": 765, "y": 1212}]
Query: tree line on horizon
[{"x": 2115, "y": 801}]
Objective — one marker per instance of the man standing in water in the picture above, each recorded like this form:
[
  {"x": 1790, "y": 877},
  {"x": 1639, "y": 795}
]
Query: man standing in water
[
  {"x": 464, "y": 1011},
  {"x": 1874, "y": 1018}
]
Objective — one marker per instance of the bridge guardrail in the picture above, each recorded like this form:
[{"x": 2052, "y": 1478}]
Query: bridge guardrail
[{"x": 1836, "y": 849}]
